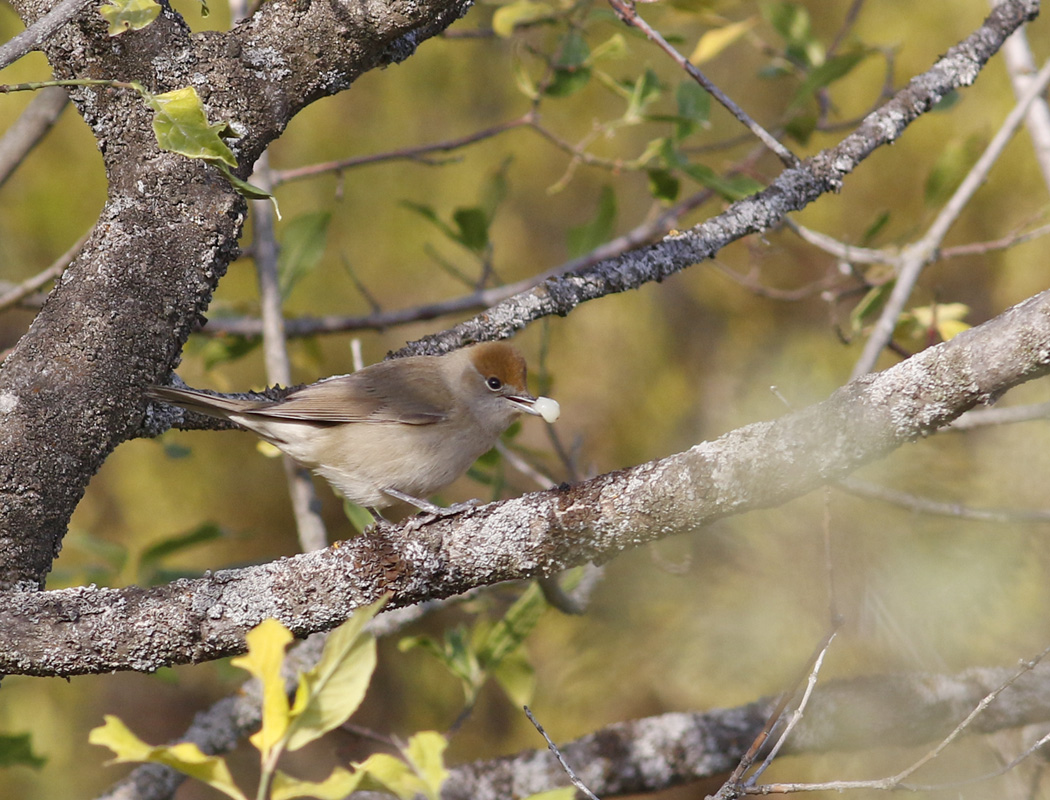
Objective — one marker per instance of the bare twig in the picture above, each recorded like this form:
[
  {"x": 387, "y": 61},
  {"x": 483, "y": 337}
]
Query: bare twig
[
  {"x": 561, "y": 760},
  {"x": 417, "y": 153},
  {"x": 916, "y": 256},
  {"x": 735, "y": 782},
  {"x": 924, "y": 505},
  {"x": 626, "y": 11},
  {"x": 900, "y": 780},
  {"x": 811, "y": 684},
  {"x": 312, "y": 534},
  {"x": 983, "y": 417},
  {"x": 30, "y": 285},
  {"x": 40, "y": 31},
  {"x": 479, "y": 299},
  {"x": 37, "y": 119},
  {"x": 1020, "y": 64}
]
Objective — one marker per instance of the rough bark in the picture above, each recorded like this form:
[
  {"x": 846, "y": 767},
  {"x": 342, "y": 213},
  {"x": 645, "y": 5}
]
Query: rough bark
[
  {"x": 71, "y": 390},
  {"x": 89, "y": 630}
]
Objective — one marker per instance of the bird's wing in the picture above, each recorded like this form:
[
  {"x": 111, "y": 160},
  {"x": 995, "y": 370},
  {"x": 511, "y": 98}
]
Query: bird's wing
[{"x": 365, "y": 396}]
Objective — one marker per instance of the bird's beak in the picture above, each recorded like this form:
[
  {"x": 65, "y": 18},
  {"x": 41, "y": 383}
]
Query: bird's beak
[{"x": 538, "y": 406}]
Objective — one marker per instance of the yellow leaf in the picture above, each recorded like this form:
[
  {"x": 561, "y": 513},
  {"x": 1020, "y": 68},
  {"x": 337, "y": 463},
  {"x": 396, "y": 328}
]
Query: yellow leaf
[
  {"x": 335, "y": 787},
  {"x": 393, "y": 774},
  {"x": 181, "y": 126},
  {"x": 330, "y": 692},
  {"x": 426, "y": 754},
  {"x": 718, "y": 39},
  {"x": 564, "y": 793},
  {"x": 950, "y": 328},
  {"x": 128, "y": 15},
  {"x": 266, "y": 644},
  {"x": 185, "y": 757}
]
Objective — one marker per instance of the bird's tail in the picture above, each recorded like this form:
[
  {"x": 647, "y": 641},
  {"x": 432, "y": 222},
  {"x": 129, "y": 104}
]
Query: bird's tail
[{"x": 201, "y": 402}]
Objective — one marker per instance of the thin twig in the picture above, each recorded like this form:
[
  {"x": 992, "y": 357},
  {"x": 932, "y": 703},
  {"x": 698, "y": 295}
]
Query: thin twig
[
  {"x": 626, "y": 11},
  {"x": 983, "y": 417},
  {"x": 480, "y": 299},
  {"x": 916, "y": 256},
  {"x": 557, "y": 754},
  {"x": 40, "y": 31},
  {"x": 898, "y": 781},
  {"x": 30, "y": 127},
  {"x": 796, "y": 717},
  {"x": 404, "y": 154},
  {"x": 1020, "y": 65},
  {"x": 734, "y": 784},
  {"x": 924, "y": 505},
  {"x": 30, "y": 285},
  {"x": 310, "y": 526}
]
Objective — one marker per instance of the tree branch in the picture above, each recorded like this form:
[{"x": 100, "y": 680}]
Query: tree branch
[{"x": 89, "y": 630}]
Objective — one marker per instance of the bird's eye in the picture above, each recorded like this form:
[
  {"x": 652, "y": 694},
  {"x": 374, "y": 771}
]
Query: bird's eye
[{"x": 494, "y": 383}]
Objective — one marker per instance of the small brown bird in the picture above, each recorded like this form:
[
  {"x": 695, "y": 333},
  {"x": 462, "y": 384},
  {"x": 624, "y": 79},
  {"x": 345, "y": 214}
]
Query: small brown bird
[{"x": 399, "y": 429}]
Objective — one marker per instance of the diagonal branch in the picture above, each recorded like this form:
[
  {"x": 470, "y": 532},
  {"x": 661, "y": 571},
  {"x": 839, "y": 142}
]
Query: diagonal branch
[
  {"x": 792, "y": 190},
  {"x": 90, "y": 630}
]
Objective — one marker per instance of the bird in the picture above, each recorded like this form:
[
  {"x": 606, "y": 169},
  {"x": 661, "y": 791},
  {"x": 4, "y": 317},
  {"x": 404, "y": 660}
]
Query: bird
[{"x": 397, "y": 430}]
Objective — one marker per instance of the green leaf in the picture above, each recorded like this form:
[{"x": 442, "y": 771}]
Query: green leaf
[
  {"x": 359, "y": 516},
  {"x": 303, "y": 241},
  {"x": 17, "y": 750},
  {"x": 646, "y": 89},
  {"x": 165, "y": 548},
  {"x": 429, "y": 214},
  {"x": 516, "y": 678},
  {"x": 472, "y": 228},
  {"x": 567, "y": 81},
  {"x": 386, "y": 772},
  {"x": 494, "y": 191},
  {"x": 182, "y": 127},
  {"x": 185, "y": 757},
  {"x": 335, "y": 787},
  {"x": 826, "y": 74},
  {"x": 520, "y": 12},
  {"x": 149, "y": 567},
  {"x": 584, "y": 238},
  {"x": 266, "y": 645},
  {"x": 457, "y": 654},
  {"x": 246, "y": 189},
  {"x": 571, "y": 72},
  {"x": 729, "y": 188},
  {"x": 694, "y": 108},
  {"x": 128, "y": 15},
  {"x": 875, "y": 228},
  {"x": 791, "y": 21},
  {"x": 330, "y": 692},
  {"x": 613, "y": 47},
  {"x": 663, "y": 185},
  {"x": 869, "y": 306},
  {"x": 520, "y": 620},
  {"x": 952, "y": 165},
  {"x": 801, "y": 126},
  {"x": 221, "y": 349}
]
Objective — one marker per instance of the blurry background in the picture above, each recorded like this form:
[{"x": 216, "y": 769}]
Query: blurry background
[{"x": 715, "y": 617}]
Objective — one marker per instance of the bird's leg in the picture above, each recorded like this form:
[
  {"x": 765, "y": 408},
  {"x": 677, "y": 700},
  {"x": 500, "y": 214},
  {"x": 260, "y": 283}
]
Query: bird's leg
[{"x": 430, "y": 511}]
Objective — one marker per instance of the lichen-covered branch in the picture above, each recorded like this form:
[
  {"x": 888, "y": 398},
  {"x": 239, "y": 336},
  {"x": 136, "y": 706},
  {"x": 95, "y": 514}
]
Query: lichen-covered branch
[{"x": 90, "y": 630}]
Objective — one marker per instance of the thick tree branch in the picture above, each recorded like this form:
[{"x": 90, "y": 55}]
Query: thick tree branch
[
  {"x": 656, "y": 753},
  {"x": 71, "y": 390},
  {"x": 88, "y": 630}
]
